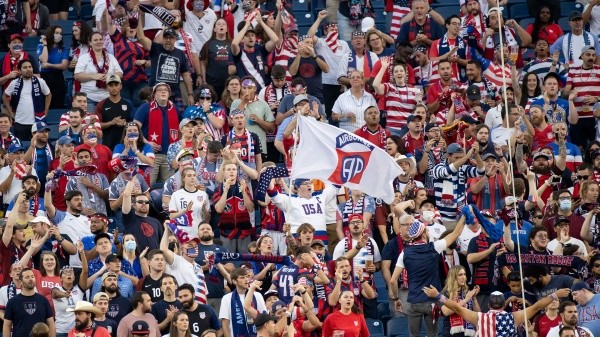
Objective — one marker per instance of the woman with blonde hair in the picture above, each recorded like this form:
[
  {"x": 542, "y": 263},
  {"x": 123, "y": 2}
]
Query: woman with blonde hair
[{"x": 456, "y": 289}]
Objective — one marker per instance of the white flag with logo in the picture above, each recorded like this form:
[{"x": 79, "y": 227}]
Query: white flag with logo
[{"x": 343, "y": 158}]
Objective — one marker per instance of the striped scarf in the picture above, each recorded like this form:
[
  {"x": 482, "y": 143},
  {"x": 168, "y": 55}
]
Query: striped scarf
[
  {"x": 332, "y": 41},
  {"x": 370, "y": 251},
  {"x": 351, "y": 207},
  {"x": 249, "y": 144},
  {"x": 201, "y": 290}
]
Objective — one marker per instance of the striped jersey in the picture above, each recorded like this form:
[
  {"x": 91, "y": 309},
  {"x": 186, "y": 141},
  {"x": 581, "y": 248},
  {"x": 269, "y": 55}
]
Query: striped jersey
[
  {"x": 587, "y": 83},
  {"x": 450, "y": 186},
  {"x": 494, "y": 74},
  {"x": 574, "y": 157},
  {"x": 400, "y": 103},
  {"x": 541, "y": 68}
]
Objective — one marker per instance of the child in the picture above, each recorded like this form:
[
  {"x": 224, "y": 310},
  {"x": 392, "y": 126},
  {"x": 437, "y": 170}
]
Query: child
[{"x": 513, "y": 300}]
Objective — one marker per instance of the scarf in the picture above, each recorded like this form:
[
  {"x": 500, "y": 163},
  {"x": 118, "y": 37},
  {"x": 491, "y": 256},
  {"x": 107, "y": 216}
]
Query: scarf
[
  {"x": 367, "y": 62},
  {"x": 562, "y": 261},
  {"x": 49, "y": 156},
  {"x": 480, "y": 272},
  {"x": 184, "y": 220},
  {"x": 163, "y": 15},
  {"x": 201, "y": 290},
  {"x": 155, "y": 128},
  {"x": 39, "y": 100},
  {"x": 241, "y": 326},
  {"x": 236, "y": 257},
  {"x": 404, "y": 285},
  {"x": 509, "y": 39},
  {"x": 332, "y": 41},
  {"x": 380, "y": 132},
  {"x": 249, "y": 145},
  {"x": 448, "y": 264},
  {"x": 351, "y": 207},
  {"x": 34, "y": 205},
  {"x": 10, "y": 63},
  {"x": 187, "y": 42},
  {"x": 101, "y": 70},
  {"x": 11, "y": 291},
  {"x": 265, "y": 178},
  {"x": 457, "y": 323},
  {"x": 52, "y": 184},
  {"x": 567, "y": 44},
  {"x": 414, "y": 30},
  {"x": 370, "y": 251}
]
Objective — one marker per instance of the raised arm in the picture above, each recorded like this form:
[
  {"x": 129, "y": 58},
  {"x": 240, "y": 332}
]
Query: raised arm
[
  {"x": 142, "y": 39},
  {"x": 377, "y": 85}
]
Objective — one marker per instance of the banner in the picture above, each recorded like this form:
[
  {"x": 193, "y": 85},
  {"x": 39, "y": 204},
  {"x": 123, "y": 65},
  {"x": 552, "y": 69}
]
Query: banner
[
  {"x": 331, "y": 154},
  {"x": 162, "y": 14}
]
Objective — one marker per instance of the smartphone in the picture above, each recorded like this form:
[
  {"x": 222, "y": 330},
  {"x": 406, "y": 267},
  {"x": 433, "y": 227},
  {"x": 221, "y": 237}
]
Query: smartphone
[{"x": 556, "y": 180}]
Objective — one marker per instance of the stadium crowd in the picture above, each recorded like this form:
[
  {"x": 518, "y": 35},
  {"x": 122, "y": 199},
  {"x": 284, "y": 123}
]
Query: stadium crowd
[{"x": 163, "y": 206}]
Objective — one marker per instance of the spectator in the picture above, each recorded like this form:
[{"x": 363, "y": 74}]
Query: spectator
[
  {"x": 133, "y": 145},
  {"x": 11, "y": 176},
  {"x": 113, "y": 112},
  {"x": 514, "y": 36},
  {"x": 422, "y": 29},
  {"x": 232, "y": 91},
  {"x": 585, "y": 299},
  {"x": 54, "y": 59},
  {"x": 341, "y": 319},
  {"x": 69, "y": 291},
  {"x": 541, "y": 65},
  {"x": 140, "y": 316},
  {"x": 7, "y": 138},
  {"x": 454, "y": 44},
  {"x": 31, "y": 94},
  {"x": 571, "y": 54},
  {"x": 80, "y": 45},
  {"x": 12, "y": 247},
  {"x": 214, "y": 58},
  {"x": 372, "y": 130},
  {"x": 378, "y": 43},
  {"x": 310, "y": 66},
  {"x": 118, "y": 306},
  {"x": 209, "y": 111},
  {"x": 101, "y": 302},
  {"x": 544, "y": 27},
  {"x": 40, "y": 152},
  {"x": 190, "y": 198},
  {"x": 349, "y": 108},
  {"x": 201, "y": 316},
  {"x": 84, "y": 318},
  {"x": 39, "y": 17}
]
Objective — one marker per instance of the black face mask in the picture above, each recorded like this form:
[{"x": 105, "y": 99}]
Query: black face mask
[
  {"x": 452, "y": 246},
  {"x": 539, "y": 284}
]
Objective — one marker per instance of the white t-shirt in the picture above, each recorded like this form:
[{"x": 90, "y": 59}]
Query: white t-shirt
[
  {"x": 435, "y": 231},
  {"x": 225, "y": 310},
  {"x": 86, "y": 65},
  {"x": 359, "y": 259},
  {"x": 184, "y": 271},
  {"x": 501, "y": 135},
  {"x": 179, "y": 201},
  {"x": 76, "y": 227},
  {"x": 201, "y": 29},
  {"x": 16, "y": 185},
  {"x": 552, "y": 245},
  {"x": 553, "y": 332},
  {"x": 439, "y": 245},
  {"x": 4, "y": 295},
  {"x": 594, "y": 20},
  {"x": 65, "y": 320},
  {"x": 24, "y": 114},
  {"x": 465, "y": 237}
]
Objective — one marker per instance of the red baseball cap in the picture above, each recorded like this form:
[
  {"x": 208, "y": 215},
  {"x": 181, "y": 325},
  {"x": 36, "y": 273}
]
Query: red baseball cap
[
  {"x": 355, "y": 216},
  {"x": 16, "y": 36}
]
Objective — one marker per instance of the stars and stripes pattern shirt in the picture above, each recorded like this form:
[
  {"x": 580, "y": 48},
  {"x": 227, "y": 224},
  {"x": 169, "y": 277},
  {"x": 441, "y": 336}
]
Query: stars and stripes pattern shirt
[
  {"x": 496, "y": 323},
  {"x": 587, "y": 83},
  {"x": 399, "y": 103}
]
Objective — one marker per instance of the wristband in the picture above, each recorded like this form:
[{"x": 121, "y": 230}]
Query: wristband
[
  {"x": 363, "y": 281},
  {"x": 394, "y": 299},
  {"x": 554, "y": 296},
  {"x": 443, "y": 299}
]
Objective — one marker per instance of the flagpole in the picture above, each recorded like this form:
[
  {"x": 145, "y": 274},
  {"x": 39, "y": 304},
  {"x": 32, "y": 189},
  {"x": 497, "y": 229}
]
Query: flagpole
[
  {"x": 510, "y": 156},
  {"x": 294, "y": 149}
]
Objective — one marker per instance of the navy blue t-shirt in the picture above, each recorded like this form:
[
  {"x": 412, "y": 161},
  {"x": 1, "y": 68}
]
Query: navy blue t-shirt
[
  {"x": 109, "y": 325},
  {"x": 25, "y": 311},
  {"x": 118, "y": 307},
  {"x": 141, "y": 115},
  {"x": 310, "y": 71},
  {"x": 214, "y": 281},
  {"x": 159, "y": 311},
  {"x": 258, "y": 59}
]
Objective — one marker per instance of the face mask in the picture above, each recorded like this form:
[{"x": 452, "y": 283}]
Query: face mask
[
  {"x": 57, "y": 38},
  {"x": 17, "y": 47},
  {"x": 133, "y": 39},
  {"x": 130, "y": 246},
  {"x": 565, "y": 205},
  {"x": 246, "y": 5},
  {"x": 133, "y": 135},
  {"x": 198, "y": 6},
  {"x": 427, "y": 216},
  {"x": 92, "y": 138}
]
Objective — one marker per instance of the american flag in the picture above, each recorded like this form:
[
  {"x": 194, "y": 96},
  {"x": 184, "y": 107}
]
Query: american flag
[
  {"x": 201, "y": 289},
  {"x": 184, "y": 220},
  {"x": 496, "y": 323},
  {"x": 265, "y": 179}
]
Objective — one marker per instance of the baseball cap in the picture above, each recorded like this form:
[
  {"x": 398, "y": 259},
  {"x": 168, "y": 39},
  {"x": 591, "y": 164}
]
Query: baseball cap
[
  {"x": 300, "y": 98},
  {"x": 473, "y": 93},
  {"x": 100, "y": 296},
  {"x": 575, "y": 15},
  {"x": 317, "y": 243},
  {"x": 15, "y": 148},
  {"x": 585, "y": 49},
  {"x": 579, "y": 286},
  {"x": 277, "y": 305},
  {"x": 300, "y": 181},
  {"x": 40, "y": 219},
  {"x": 540, "y": 155},
  {"x": 469, "y": 120},
  {"x": 113, "y": 78},
  {"x": 30, "y": 176},
  {"x": 263, "y": 319},
  {"x": 430, "y": 126},
  {"x": 186, "y": 121},
  {"x": 241, "y": 25},
  {"x": 355, "y": 216},
  {"x": 412, "y": 118},
  {"x": 562, "y": 219},
  {"x": 109, "y": 274},
  {"x": 170, "y": 32},
  {"x": 16, "y": 37},
  {"x": 64, "y": 140},
  {"x": 270, "y": 293},
  {"x": 39, "y": 126},
  {"x": 419, "y": 49},
  {"x": 113, "y": 257},
  {"x": 454, "y": 148},
  {"x": 489, "y": 155},
  {"x": 140, "y": 328}
]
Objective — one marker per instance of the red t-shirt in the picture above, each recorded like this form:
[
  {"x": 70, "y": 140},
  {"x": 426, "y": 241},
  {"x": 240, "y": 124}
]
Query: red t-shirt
[
  {"x": 550, "y": 34},
  {"x": 101, "y": 156},
  {"x": 542, "y": 138},
  {"x": 376, "y": 138},
  {"x": 411, "y": 144},
  {"x": 544, "y": 324},
  {"x": 353, "y": 325},
  {"x": 8, "y": 256},
  {"x": 58, "y": 196}
]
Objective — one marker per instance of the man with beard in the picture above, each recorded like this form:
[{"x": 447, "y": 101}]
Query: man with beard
[
  {"x": 372, "y": 130},
  {"x": 425, "y": 71},
  {"x": 113, "y": 112},
  {"x": 543, "y": 64},
  {"x": 152, "y": 283},
  {"x": 59, "y": 244},
  {"x": 587, "y": 303},
  {"x": 201, "y": 316},
  {"x": 584, "y": 82},
  {"x": 556, "y": 107},
  {"x": 118, "y": 306},
  {"x": 40, "y": 153},
  {"x": 146, "y": 229},
  {"x": 12, "y": 174},
  {"x": 75, "y": 127},
  {"x": 142, "y": 305},
  {"x": 27, "y": 99},
  {"x": 206, "y": 250},
  {"x": 72, "y": 222},
  {"x": 101, "y": 302},
  {"x": 94, "y": 187},
  {"x": 543, "y": 283},
  {"x": 27, "y": 308},
  {"x": 422, "y": 29},
  {"x": 578, "y": 39},
  {"x": 542, "y": 130},
  {"x": 30, "y": 188},
  {"x": 85, "y": 313},
  {"x": 164, "y": 308},
  {"x": 474, "y": 18},
  {"x": 113, "y": 263},
  {"x": 489, "y": 95},
  {"x": 545, "y": 167},
  {"x": 513, "y": 36},
  {"x": 431, "y": 155},
  {"x": 439, "y": 92},
  {"x": 98, "y": 225},
  {"x": 568, "y": 318},
  {"x": 561, "y": 147},
  {"x": 482, "y": 136}
]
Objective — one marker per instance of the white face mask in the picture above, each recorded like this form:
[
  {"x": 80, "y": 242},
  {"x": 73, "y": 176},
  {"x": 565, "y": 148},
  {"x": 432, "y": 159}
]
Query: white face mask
[
  {"x": 57, "y": 38},
  {"x": 427, "y": 216}
]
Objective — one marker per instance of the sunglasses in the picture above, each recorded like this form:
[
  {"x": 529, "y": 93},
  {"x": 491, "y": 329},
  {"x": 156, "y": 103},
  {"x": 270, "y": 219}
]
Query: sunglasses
[
  {"x": 538, "y": 217},
  {"x": 204, "y": 98},
  {"x": 582, "y": 177},
  {"x": 143, "y": 202},
  {"x": 596, "y": 265}
]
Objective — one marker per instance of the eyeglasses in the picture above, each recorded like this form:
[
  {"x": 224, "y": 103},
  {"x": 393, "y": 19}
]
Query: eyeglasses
[
  {"x": 596, "y": 265},
  {"x": 143, "y": 202},
  {"x": 582, "y": 177},
  {"x": 405, "y": 224},
  {"x": 538, "y": 216},
  {"x": 204, "y": 98}
]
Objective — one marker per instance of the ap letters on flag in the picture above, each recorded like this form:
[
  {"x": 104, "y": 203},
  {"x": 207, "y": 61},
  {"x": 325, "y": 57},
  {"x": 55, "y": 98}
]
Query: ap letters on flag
[{"x": 332, "y": 154}]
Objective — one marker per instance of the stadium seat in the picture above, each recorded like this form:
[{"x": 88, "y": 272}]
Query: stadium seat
[
  {"x": 2, "y": 54},
  {"x": 564, "y": 24},
  {"x": 375, "y": 326},
  {"x": 66, "y": 25},
  {"x": 317, "y": 6},
  {"x": 567, "y": 7},
  {"x": 525, "y": 22},
  {"x": 53, "y": 117},
  {"x": 31, "y": 44},
  {"x": 383, "y": 311},
  {"x": 445, "y": 3},
  {"x": 382, "y": 295},
  {"x": 303, "y": 29},
  {"x": 301, "y": 6},
  {"x": 304, "y": 18},
  {"x": 378, "y": 5},
  {"x": 73, "y": 13},
  {"x": 519, "y": 11},
  {"x": 86, "y": 12},
  {"x": 397, "y": 327},
  {"x": 446, "y": 11},
  {"x": 53, "y": 135}
]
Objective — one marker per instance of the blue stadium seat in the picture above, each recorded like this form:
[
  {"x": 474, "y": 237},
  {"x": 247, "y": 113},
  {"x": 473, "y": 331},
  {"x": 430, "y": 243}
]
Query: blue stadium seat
[
  {"x": 304, "y": 18},
  {"x": 86, "y": 12},
  {"x": 2, "y": 54},
  {"x": 53, "y": 117},
  {"x": 301, "y": 6},
  {"x": 525, "y": 22},
  {"x": 66, "y": 25},
  {"x": 318, "y": 5},
  {"x": 446, "y": 11},
  {"x": 564, "y": 24},
  {"x": 519, "y": 11},
  {"x": 382, "y": 295},
  {"x": 31, "y": 44},
  {"x": 567, "y": 7},
  {"x": 53, "y": 135},
  {"x": 397, "y": 327},
  {"x": 445, "y": 3},
  {"x": 383, "y": 311},
  {"x": 378, "y": 4},
  {"x": 303, "y": 29},
  {"x": 375, "y": 326}
]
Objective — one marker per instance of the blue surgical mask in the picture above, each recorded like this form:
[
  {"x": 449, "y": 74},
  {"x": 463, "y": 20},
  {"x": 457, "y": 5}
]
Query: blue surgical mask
[
  {"x": 130, "y": 245},
  {"x": 133, "y": 39},
  {"x": 133, "y": 135},
  {"x": 198, "y": 6},
  {"x": 564, "y": 205},
  {"x": 17, "y": 47}
]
